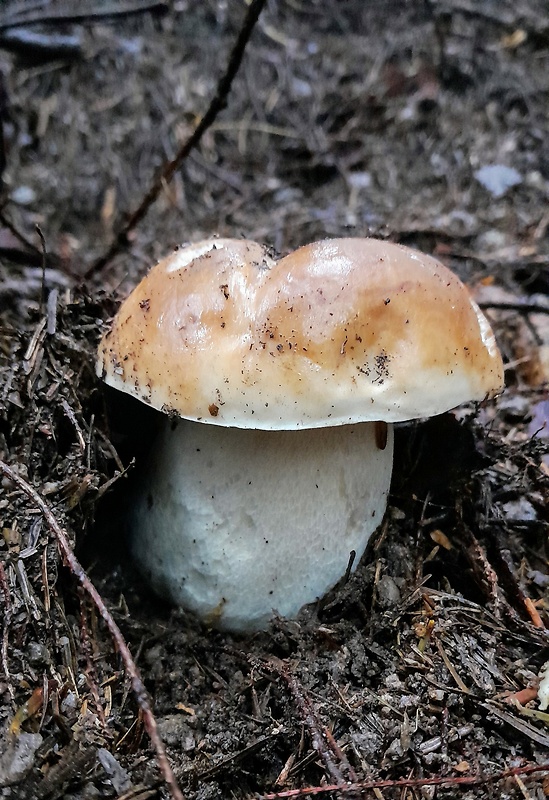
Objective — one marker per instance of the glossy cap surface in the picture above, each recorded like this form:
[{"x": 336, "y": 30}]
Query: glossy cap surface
[{"x": 337, "y": 332}]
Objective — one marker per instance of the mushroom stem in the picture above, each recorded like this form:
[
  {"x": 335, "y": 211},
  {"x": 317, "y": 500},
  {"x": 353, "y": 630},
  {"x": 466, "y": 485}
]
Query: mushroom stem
[{"x": 237, "y": 524}]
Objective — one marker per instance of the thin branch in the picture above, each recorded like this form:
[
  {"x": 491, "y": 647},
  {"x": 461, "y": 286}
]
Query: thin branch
[
  {"x": 519, "y": 307},
  {"x": 42, "y": 13},
  {"x": 443, "y": 780},
  {"x": 5, "y": 628},
  {"x": 44, "y": 262},
  {"x": 317, "y": 734},
  {"x": 323, "y": 742},
  {"x": 132, "y": 671},
  {"x": 217, "y": 104},
  {"x": 19, "y": 236},
  {"x": 41, "y": 46}
]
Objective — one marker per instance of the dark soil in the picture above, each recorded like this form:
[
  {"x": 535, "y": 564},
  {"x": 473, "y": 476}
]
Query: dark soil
[{"x": 347, "y": 118}]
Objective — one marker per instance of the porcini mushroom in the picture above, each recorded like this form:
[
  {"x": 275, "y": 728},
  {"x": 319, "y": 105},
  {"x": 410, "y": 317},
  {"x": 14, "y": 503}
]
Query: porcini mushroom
[{"x": 284, "y": 377}]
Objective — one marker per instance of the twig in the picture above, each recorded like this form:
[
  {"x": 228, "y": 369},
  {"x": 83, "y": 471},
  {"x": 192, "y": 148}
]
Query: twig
[
  {"x": 504, "y": 562},
  {"x": 5, "y": 628},
  {"x": 170, "y": 168},
  {"x": 3, "y": 159},
  {"x": 85, "y": 640},
  {"x": 533, "y": 24},
  {"x": 44, "y": 260},
  {"x": 443, "y": 780},
  {"x": 517, "y": 723},
  {"x": 451, "y": 669},
  {"x": 521, "y": 308},
  {"x": 41, "y": 46},
  {"x": 72, "y": 417},
  {"x": 45, "y": 14},
  {"x": 322, "y": 742},
  {"x": 483, "y": 570},
  {"x": 131, "y": 668},
  {"x": 232, "y": 759},
  {"x": 18, "y": 235},
  {"x": 440, "y": 35}
]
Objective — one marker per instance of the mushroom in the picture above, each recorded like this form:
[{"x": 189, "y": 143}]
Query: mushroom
[{"x": 280, "y": 380}]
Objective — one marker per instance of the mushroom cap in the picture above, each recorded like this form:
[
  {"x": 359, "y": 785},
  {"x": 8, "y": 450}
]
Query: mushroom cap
[{"x": 338, "y": 332}]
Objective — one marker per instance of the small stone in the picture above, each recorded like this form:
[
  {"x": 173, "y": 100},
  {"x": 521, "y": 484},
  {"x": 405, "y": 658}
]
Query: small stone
[
  {"x": 69, "y": 703},
  {"x": 38, "y": 654},
  {"x": 360, "y": 180},
  {"x": 175, "y": 732},
  {"x": 388, "y": 593},
  {"x": 520, "y": 510},
  {"x": 497, "y": 178},
  {"x": 515, "y": 407},
  {"x": 543, "y": 691},
  {"x": 394, "y": 751},
  {"x": 492, "y": 240},
  {"x": 118, "y": 776},
  {"x": 17, "y": 757},
  {"x": 393, "y": 682},
  {"x": 23, "y": 196}
]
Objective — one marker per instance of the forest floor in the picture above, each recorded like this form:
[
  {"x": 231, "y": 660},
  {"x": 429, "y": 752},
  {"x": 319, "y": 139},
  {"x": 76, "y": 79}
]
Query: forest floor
[{"x": 425, "y": 123}]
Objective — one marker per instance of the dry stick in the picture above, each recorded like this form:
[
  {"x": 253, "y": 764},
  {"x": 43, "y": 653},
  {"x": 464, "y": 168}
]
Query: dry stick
[
  {"x": 42, "y": 13},
  {"x": 85, "y": 640},
  {"x": 171, "y": 167},
  {"x": 44, "y": 262},
  {"x": 131, "y": 668},
  {"x": 5, "y": 628},
  {"x": 321, "y": 743},
  {"x": 18, "y": 235},
  {"x": 521, "y": 308},
  {"x": 363, "y": 786}
]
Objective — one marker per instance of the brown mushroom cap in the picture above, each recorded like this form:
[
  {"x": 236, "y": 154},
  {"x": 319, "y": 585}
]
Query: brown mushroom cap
[{"x": 337, "y": 332}]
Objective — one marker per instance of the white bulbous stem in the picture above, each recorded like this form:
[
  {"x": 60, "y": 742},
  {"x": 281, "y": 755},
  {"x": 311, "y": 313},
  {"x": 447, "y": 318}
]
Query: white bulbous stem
[{"x": 238, "y": 524}]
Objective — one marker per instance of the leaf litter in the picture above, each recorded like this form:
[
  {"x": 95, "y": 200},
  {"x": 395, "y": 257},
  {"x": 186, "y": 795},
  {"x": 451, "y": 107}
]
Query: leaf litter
[{"x": 418, "y": 676}]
